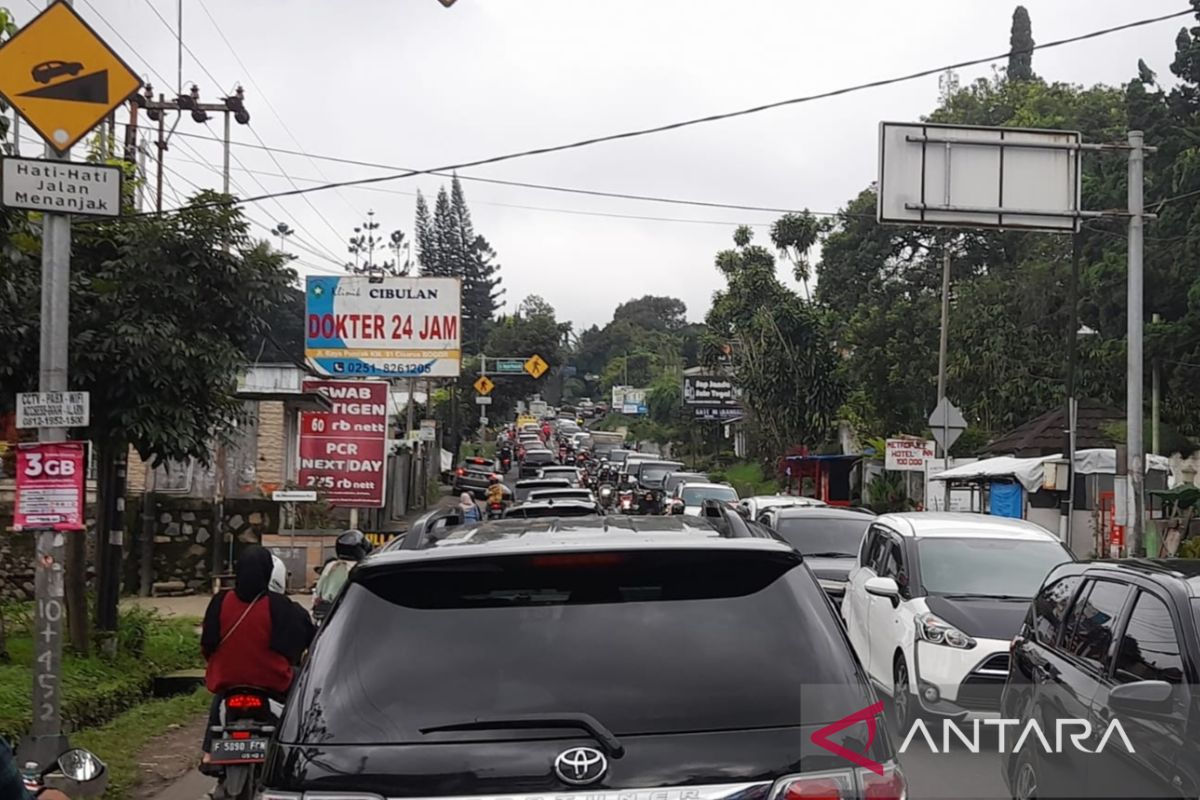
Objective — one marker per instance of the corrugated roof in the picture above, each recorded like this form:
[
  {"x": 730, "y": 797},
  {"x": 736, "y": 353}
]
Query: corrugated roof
[{"x": 1044, "y": 436}]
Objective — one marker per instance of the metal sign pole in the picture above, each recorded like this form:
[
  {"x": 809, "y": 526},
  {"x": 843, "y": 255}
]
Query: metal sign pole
[
  {"x": 48, "y": 571},
  {"x": 1133, "y": 398}
]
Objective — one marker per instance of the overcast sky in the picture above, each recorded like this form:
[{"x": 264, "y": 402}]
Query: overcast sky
[{"x": 409, "y": 83}]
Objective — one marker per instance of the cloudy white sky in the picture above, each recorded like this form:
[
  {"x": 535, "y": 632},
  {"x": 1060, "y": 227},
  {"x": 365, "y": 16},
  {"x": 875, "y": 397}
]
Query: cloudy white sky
[{"x": 408, "y": 83}]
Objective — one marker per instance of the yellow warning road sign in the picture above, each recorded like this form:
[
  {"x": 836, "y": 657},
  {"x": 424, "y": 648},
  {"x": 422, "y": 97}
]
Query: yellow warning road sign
[
  {"x": 536, "y": 366},
  {"x": 62, "y": 77},
  {"x": 484, "y": 385}
]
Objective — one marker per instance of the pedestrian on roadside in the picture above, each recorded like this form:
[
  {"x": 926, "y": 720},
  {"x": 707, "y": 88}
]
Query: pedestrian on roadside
[{"x": 470, "y": 511}]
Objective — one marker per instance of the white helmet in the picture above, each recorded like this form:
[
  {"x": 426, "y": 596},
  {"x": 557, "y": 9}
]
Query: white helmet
[{"x": 278, "y": 575}]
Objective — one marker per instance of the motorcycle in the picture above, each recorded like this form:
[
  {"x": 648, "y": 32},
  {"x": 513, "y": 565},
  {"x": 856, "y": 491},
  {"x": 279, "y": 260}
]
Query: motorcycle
[
  {"x": 77, "y": 772},
  {"x": 648, "y": 503},
  {"x": 495, "y": 510},
  {"x": 606, "y": 495},
  {"x": 249, "y": 718},
  {"x": 625, "y": 501},
  {"x": 505, "y": 464}
]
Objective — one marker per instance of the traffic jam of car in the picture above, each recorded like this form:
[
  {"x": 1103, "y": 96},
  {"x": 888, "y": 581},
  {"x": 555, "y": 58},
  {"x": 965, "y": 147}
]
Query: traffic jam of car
[{"x": 614, "y": 624}]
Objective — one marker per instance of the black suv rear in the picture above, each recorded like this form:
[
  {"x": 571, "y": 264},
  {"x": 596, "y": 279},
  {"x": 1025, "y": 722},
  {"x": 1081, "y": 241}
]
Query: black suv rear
[
  {"x": 1115, "y": 644},
  {"x": 656, "y": 658}
]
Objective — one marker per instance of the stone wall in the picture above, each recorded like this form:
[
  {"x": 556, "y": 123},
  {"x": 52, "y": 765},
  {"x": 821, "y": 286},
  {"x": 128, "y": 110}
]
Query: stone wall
[
  {"x": 184, "y": 538},
  {"x": 16, "y": 554}
]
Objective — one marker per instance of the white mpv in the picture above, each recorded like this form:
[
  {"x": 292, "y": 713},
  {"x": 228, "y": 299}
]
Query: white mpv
[{"x": 934, "y": 601}]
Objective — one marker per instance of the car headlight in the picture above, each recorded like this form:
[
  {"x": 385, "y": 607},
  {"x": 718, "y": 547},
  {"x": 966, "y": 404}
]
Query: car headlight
[{"x": 935, "y": 630}]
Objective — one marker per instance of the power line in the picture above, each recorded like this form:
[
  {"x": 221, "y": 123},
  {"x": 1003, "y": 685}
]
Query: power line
[
  {"x": 579, "y": 212},
  {"x": 717, "y": 117},
  {"x": 267, "y": 101},
  {"x": 178, "y": 34}
]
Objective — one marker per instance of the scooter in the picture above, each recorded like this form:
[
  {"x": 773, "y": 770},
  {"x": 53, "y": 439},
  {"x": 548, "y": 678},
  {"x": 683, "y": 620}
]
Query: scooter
[
  {"x": 606, "y": 495},
  {"x": 76, "y": 772},
  {"x": 495, "y": 509},
  {"x": 249, "y": 718},
  {"x": 625, "y": 501}
]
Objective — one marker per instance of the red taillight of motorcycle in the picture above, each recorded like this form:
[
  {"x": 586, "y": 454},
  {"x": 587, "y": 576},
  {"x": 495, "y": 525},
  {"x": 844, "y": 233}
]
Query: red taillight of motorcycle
[
  {"x": 239, "y": 734},
  {"x": 244, "y": 702},
  {"x": 461, "y": 471}
]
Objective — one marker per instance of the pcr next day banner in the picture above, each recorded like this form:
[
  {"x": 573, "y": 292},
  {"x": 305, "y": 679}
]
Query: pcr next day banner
[
  {"x": 343, "y": 452},
  {"x": 357, "y": 327}
]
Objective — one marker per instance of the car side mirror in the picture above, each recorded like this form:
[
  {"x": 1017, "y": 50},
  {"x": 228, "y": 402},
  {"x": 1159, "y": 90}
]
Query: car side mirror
[
  {"x": 1142, "y": 698},
  {"x": 884, "y": 587}
]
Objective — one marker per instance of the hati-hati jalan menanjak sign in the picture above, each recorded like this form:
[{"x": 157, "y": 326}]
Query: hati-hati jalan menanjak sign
[{"x": 396, "y": 327}]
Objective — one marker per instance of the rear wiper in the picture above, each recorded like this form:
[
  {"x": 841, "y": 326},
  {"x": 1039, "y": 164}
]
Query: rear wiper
[
  {"x": 830, "y": 555},
  {"x": 533, "y": 721}
]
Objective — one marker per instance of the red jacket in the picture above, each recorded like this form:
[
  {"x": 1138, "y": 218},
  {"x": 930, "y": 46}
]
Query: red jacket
[{"x": 245, "y": 657}]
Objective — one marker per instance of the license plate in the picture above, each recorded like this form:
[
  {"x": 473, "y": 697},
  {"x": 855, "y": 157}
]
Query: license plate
[{"x": 233, "y": 751}]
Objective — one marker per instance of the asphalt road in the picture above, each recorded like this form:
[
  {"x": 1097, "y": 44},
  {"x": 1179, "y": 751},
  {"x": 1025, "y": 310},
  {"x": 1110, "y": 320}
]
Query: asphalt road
[{"x": 957, "y": 773}]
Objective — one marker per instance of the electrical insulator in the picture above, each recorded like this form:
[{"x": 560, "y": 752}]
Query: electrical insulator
[{"x": 236, "y": 103}]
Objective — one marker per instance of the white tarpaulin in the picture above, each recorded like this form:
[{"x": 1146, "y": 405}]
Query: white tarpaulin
[{"x": 1030, "y": 472}]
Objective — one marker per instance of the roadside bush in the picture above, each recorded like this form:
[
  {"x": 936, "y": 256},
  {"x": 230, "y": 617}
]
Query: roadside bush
[{"x": 96, "y": 689}]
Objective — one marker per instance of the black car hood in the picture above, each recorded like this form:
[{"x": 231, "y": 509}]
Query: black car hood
[
  {"x": 831, "y": 569},
  {"x": 982, "y": 617}
]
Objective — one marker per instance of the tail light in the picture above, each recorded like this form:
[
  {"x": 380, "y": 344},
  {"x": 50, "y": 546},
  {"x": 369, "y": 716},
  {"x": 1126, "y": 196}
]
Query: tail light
[
  {"x": 847, "y": 784},
  {"x": 239, "y": 734},
  {"x": 461, "y": 471},
  {"x": 493, "y": 477},
  {"x": 244, "y": 702}
]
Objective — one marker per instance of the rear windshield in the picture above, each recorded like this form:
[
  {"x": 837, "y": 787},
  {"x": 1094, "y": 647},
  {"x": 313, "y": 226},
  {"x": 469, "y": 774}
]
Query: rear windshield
[
  {"x": 656, "y": 472},
  {"x": 814, "y": 536},
  {"x": 696, "y": 496},
  {"x": 633, "y": 639},
  {"x": 539, "y": 456},
  {"x": 618, "y": 456}
]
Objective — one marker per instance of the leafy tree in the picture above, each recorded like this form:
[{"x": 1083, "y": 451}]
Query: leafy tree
[
  {"x": 1020, "y": 58},
  {"x": 163, "y": 311},
  {"x": 653, "y": 313},
  {"x": 794, "y": 236},
  {"x": 780, "y": 352}
]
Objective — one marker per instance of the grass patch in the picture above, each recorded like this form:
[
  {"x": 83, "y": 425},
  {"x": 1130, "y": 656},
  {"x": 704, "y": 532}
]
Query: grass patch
[
  {"x": 119, "y": 743},
  {"x": 95, "y": 689},
  {"x": 748, "y": 479}
]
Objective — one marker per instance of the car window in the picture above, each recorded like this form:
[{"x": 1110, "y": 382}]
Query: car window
[
  {"x": 987, "y": 566},
  {"x": 1050, "y": 608},
  {"x": 556, "y": 632},
  {"x": 893, "y": 564},
  {"x": 1149, "y": 649},
  {"x": 874, "y": 549},
  {"x": 1095, "y": 613}
]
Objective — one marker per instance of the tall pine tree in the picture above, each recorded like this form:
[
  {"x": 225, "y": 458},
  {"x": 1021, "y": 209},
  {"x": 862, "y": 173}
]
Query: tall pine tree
[
  {"x": 449, "y": 247},
  {"x": 1020, "y": 57},
  {"x": 427, "y": 253}
]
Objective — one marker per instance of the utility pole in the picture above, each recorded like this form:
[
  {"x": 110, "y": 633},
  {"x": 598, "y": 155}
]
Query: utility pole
[
  {"x": 482, "y": 408},
  {"x": 1155, "y": 396},
  {"x": 233, "y": 106},
  {"x": 1068, "y": 502},
  {"x": 1134, "y": 334}
]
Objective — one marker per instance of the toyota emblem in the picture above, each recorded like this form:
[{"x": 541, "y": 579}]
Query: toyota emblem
[{"x": 580, "y": 766}]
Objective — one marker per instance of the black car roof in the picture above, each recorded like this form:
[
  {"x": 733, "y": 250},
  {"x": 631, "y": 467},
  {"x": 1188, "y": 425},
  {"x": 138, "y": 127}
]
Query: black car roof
[
  {"x": 1184, "y": 571},
  {"x": 577, "y": 534}
]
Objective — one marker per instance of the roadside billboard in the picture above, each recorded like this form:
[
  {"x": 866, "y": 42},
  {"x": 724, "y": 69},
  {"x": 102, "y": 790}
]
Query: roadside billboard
[
  {"x": 50, "y": 485},
  {"x": 709, "y": 390},
  {"x": 907, "y": 455},
  {"x": 343, "y": 452},
  {"x": 395, "y": 327},
  {"x": 628, "y": 400}
]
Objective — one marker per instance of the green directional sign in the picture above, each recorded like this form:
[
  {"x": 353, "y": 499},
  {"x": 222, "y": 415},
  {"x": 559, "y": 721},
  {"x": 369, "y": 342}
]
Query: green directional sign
[{"x": 509, "y": 366}]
